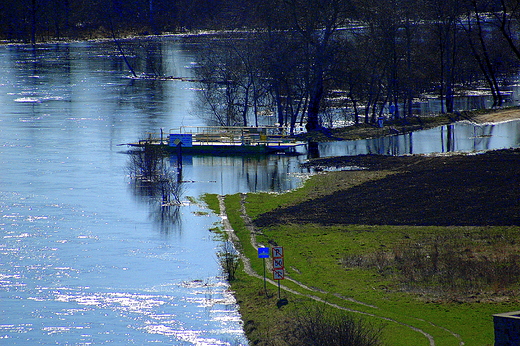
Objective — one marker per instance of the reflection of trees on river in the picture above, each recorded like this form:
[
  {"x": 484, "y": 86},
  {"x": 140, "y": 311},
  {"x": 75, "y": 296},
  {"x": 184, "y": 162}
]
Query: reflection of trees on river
[
  {"x": 445, "y": 139},
  {"x": 232, "y": 174},
  {"x": 154, "y": 183},
  {"x": 462, "y": 136}
]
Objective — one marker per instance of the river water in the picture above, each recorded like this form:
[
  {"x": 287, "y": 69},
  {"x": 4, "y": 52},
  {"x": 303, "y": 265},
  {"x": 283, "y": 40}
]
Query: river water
[
  {"x": 462, "y": 136},
  {"x": 84, "y": 258}
]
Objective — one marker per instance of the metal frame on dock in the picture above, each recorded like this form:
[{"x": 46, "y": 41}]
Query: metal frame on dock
[{"x": 221, "y": 139}]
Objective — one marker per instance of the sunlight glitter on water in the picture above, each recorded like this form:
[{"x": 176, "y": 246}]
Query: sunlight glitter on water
[
  {"x": 46, "y": 265},
  {"x": 153, "y": 314},
  {"x": 137, "y": 303},
  {"x": 189, "y": 336},
  {"x": 147, "y": 308}
]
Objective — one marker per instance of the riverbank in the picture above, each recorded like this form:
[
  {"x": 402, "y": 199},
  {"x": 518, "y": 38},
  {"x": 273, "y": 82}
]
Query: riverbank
[
  {"x": 347, "y": 236},
  {"x": 410, "y": 124},
  {"x": 497, "y": 116}
]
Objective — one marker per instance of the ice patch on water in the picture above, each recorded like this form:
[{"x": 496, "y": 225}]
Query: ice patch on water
[
  {"x": 38, "y": 99},
  {"x": 58, "y": 330},
  {"x": 28, "y": 100}
]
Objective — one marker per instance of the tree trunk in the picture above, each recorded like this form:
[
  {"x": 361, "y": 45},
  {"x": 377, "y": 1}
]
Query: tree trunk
[
  {"x": 33, "y": 22},
  {"x": 313, "y": 121}
]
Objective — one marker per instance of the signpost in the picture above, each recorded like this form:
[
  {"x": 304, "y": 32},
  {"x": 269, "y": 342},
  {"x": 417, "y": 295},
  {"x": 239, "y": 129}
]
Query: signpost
[
  {"x": 278, "y": 265},
  {"x": 263, "y": 252},
  {"x": 179, "y": 140},
  {"x": 278, "y": 274},
  {"x": 278, "y": 252}
]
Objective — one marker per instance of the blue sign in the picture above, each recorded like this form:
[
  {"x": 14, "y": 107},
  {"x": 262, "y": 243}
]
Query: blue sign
[
  {"x": 184, "y": 139},
  {"x": 263, "y": 252}
]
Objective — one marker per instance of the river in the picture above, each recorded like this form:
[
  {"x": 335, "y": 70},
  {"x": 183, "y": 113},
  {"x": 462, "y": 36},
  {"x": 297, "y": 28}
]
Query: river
[
  {"x": 84, "y": 258},
  {"x": 462, "y": 136}
]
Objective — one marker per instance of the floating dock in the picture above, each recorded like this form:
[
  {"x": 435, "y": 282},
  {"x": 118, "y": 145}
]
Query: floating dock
[{"x": 211, "y": 140}]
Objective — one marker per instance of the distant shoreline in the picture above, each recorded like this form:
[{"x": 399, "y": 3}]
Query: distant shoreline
[
  {"x": 410, "y": 124},
  {"x": 498, "y": 116}
]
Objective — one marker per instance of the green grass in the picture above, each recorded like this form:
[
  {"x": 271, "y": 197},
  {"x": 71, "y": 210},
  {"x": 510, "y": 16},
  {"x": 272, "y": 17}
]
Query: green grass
[
  {"x": 212, "y": 202},
  {"x": 313, "y": 256}
]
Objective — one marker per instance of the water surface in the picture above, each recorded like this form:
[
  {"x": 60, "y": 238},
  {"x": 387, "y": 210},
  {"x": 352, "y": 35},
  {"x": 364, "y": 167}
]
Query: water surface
[
  {"x": 83, "y": 259},
  {"x": 459, "y": 137}
]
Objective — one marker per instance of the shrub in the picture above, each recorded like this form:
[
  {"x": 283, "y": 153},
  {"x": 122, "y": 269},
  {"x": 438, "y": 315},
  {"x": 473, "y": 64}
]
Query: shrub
[
  {"x": 330, "y": 327},
  {"x": 229, "y": 260},
  {"x": 448, "y": 264}
]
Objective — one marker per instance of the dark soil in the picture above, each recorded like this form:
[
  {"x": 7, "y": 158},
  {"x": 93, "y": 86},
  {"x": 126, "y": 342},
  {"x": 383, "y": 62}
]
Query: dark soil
[{"x": 459, "y": 190}]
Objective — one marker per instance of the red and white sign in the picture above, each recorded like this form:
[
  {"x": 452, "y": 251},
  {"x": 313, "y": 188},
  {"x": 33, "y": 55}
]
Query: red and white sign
[
  {"x": 278, "y": 274},
  {"x": 278, "y": 263},
  {"x": 278, "y": 252},
  {"x": 278, "y": 266}
]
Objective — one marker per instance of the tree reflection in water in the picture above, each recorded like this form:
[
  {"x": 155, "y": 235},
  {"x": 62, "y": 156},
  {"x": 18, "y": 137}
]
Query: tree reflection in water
[{"x": 155, "y": 183}]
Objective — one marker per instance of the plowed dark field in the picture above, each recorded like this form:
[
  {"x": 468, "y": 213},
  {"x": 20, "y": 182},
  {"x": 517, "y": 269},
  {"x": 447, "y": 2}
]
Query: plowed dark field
[{"x": 459, "y": 190}]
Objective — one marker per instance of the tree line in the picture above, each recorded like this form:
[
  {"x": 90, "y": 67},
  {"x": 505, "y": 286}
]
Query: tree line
[
  {"x": 306, "y": 61},
  {"x": 310, "y": 61},
  {"x": 44, "y": 20}
]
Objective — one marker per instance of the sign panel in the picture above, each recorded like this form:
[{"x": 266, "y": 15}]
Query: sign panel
[
  {"x": 278, "y": 263},
  {"x": 263, "y": 252},
  {"x": 278, "y": 274},
  {"x": 185, "y": 139},
  {"x": 278, "y": 252}
]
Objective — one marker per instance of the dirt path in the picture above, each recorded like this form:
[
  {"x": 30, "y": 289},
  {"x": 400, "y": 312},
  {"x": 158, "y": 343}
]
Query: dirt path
[{"x": 249, "y": 270}]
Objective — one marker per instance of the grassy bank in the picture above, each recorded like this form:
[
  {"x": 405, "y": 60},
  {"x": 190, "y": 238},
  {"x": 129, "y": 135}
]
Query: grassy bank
[{"x": 423, "y": 284}]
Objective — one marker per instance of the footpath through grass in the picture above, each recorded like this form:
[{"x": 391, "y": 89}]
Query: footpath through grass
[{"x": 406, "y": 279}]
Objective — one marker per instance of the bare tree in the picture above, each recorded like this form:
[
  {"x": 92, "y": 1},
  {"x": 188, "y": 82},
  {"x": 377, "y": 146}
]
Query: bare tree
[
  {"x": 477, "y": 36},
  {"x": 317, "y": 23},
  {"x": 508, "y": 17},
  {"x": 445, "y": 31},
  {"x": 228, "y": 79}
]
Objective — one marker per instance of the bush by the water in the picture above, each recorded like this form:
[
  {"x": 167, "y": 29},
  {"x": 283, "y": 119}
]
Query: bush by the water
[{"x": 229, "y": 260}]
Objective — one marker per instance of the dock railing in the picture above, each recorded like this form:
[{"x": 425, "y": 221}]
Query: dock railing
[
  {"x": 228, "y": 135},
  {"x": 236, "y": 135}
]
